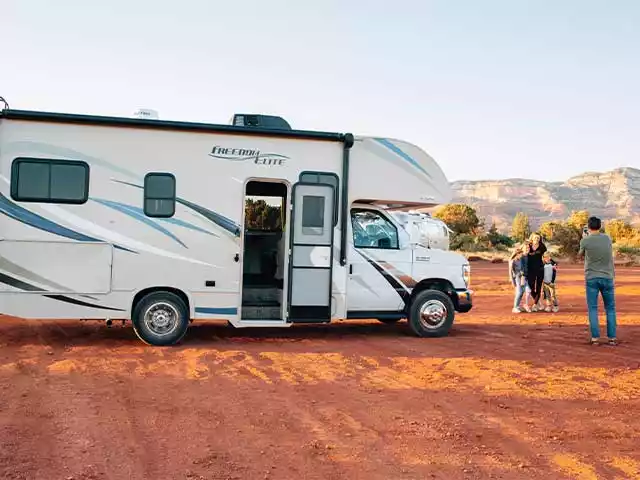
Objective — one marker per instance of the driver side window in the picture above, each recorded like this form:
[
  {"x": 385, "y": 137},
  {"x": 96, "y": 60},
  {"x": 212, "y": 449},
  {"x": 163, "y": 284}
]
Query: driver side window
[{"x": 372, "y": 230}]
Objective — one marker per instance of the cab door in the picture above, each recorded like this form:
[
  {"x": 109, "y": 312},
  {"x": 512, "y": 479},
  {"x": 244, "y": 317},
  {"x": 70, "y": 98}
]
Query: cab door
[{"x": 311, "y": 260}]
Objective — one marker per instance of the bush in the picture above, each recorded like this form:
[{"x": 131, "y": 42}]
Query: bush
[
  {"x": 631, "y": 251},
  {"x": 462, "y": 219},
  {"x": 469, "y": 243},
  {"x": 567, "y": 237},
  {"x": 496, "y": 239}
]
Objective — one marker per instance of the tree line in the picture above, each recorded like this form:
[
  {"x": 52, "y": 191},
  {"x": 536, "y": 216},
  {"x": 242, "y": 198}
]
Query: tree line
[{"x": 470, "y": 232}]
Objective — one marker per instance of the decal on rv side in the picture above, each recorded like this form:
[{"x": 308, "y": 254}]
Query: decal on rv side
[{"x": 244, "y": 154}]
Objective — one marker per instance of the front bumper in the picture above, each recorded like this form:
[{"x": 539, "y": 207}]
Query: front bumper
[{"x": 465, "y": 300}]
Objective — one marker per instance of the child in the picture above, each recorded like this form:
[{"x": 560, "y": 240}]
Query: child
[
  {"x": 549, "y": 283},
  {"x": 518, "y": 276}
]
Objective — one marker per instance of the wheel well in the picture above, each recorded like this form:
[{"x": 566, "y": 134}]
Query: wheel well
[
  {"x": 441, "y": 284},
  {"x": 142, "y": 293}
]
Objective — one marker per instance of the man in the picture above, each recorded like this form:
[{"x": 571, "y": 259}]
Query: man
[{"x": 597, "y": 251}]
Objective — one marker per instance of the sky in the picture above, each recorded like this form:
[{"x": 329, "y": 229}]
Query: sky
[{"x": 542, "y": 89}]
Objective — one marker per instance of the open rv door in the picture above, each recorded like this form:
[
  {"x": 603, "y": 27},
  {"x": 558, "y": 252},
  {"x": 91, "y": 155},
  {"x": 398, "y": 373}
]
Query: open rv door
[{"x": 310, "y": 265}]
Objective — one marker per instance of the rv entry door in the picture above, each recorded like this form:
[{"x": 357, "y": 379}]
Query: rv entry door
[{"x": 311, "y": 253}]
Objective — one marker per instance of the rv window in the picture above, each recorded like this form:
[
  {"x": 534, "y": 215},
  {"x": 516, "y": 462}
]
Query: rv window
[
  {"x": 312, "y": 215},
  {"x": 324, "y": 179},
  {"x": 159, "y": 195},
  {"x": 49, "y": 181},
  {"x": 371, "y": 229}
]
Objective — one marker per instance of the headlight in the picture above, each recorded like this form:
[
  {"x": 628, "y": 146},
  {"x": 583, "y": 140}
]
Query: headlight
[{"x": 466, "y": 274}]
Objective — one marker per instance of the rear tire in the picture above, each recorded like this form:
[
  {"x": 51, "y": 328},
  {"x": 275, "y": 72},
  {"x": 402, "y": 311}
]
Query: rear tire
[
  {"x": 160, "y": 318},
  {"x": 431, "y": 314}
]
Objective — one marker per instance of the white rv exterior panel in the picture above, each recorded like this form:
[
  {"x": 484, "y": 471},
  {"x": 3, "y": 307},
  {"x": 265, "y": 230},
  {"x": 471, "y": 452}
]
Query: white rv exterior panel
[
  {"x": 60, "y": 267},
  {"x": 390, "y": 171},
  {"x": 311, "y": 256},
  {"x": 312, "y": 287}
]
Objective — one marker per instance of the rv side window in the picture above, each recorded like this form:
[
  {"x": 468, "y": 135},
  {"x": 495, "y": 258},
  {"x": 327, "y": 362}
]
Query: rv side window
[
  {"x": 312, "y": 215},
  {"x": 324, "y": 179},
  {"x": 159, "y": 195},
  {"x": 49, "y": 181},
  {"x": 371, "y": 229}
]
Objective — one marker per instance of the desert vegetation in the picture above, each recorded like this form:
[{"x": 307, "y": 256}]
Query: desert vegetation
[{"x": 472, "y": 236}]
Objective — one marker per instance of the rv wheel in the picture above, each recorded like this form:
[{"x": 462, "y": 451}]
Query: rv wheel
[
  {"x": 431, "y": 314},
  {"x": 160, "y": 318}
]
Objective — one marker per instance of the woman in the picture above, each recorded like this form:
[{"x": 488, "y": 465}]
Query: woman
[{"x": 535, "y": 268}]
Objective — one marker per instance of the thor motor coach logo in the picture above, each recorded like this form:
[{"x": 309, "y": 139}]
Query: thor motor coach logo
[{"x": 244, "y": 154}]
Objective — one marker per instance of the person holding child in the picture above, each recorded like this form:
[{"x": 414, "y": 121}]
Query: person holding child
[{"x": 535, "y": 269}]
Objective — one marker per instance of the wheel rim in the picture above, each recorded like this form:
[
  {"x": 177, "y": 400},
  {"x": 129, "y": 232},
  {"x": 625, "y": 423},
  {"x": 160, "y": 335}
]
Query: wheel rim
[
  {"x": 161, "y": 318},
  {"x": 433, "y": 314}
]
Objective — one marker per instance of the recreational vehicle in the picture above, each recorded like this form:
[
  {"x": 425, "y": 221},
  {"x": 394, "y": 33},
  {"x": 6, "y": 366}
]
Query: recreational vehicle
[{"x": 166, "y": 222}]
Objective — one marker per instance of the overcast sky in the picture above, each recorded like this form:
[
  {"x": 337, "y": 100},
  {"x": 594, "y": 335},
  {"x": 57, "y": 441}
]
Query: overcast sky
[{"x": 491, "y": 89}]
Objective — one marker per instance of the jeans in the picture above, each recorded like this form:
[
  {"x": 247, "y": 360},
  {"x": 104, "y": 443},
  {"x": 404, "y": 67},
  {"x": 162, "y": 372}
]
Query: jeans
[
  {"x": 605, "y": 287},
  {"x": 519, "y": 291}
]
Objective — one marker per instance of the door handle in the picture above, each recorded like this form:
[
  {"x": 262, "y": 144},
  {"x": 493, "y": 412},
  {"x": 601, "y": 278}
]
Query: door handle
[
  {"x": 236, "y": 258},
  {"x": 350, "y": 268}
]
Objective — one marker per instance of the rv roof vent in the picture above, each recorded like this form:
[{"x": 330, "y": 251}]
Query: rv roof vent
[
  {"x": 260, "y": 121},
  {"x": 146, "y": 113}
]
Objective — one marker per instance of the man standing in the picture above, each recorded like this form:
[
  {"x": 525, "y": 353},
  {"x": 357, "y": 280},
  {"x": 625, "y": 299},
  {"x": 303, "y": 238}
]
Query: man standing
[{"x": 597, "y": 250}]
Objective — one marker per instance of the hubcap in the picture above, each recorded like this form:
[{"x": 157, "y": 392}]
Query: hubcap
[
  {"x": 161, "y": 318},
  {"x": 433, "y": 314}
]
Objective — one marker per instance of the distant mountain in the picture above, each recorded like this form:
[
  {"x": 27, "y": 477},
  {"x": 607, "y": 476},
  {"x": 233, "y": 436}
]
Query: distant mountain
[{"x": 614, "y": 194}]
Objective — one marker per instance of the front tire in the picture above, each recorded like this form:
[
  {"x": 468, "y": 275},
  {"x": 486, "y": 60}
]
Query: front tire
[
  {"x": 160, "y": 318},
  {"x": 431, "y": 314}
]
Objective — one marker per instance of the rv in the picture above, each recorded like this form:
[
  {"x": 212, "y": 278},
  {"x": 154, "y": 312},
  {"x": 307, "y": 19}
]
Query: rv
[
  {"x": 166, "y": 222},
  {"x": 424, "y": 229}
]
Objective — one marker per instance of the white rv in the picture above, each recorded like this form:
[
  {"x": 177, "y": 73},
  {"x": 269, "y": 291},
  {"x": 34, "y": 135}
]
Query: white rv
[
  {"x": 424, "y": 230},
  {"x": 163, "y": 222}
]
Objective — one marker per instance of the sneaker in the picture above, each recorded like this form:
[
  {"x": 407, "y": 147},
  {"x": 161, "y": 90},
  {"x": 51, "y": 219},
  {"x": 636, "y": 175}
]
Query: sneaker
[
  {"x": 534, "y": 308},
  {"x": 527, "y": 309},
  {"x": 613, "y": 341},
  {"x": 555, "y": 309},
  {"x": 516, "y": 310},
  {"x": 594, "y": 341},
  {"x": 547, "y": 309}
]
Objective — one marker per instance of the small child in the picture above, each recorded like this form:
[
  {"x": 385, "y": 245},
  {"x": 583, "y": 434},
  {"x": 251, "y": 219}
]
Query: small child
[
  {"x": 518, "y": 276},
  {"x": 549, "y": 283}
]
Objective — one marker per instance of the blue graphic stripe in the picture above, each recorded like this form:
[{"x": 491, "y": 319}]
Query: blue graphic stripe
[
  {"x": 398, "y": 151},
  {"x": 137, "y": 214},
  {"x": 34, "y": 220},
  {"x": 220, "y": 220},
  {"x": 190, "y": 226},
  {"x": 217, "y": 311}
]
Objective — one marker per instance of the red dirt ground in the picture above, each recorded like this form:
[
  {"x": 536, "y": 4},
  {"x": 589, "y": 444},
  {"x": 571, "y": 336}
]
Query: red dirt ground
[{"x": 504, "y": 396}]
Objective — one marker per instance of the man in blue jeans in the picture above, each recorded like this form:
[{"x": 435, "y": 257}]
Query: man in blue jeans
[{"x": 599, "y": 275}]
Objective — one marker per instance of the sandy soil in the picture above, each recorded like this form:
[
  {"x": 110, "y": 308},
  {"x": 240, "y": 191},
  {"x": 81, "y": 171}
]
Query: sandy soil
[{"x": 504, "y": 396}]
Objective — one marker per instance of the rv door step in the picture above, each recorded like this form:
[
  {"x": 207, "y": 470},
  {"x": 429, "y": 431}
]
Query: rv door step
[
  {"x": 261, "y": 323},
  {"x": 258, "y": 303},
  {"x": 261, "y": 312},
  {"x": 310, "y": 320}
]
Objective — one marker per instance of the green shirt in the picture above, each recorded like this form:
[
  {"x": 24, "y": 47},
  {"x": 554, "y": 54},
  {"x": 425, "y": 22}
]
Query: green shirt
[{"x": 598, "y": 256}]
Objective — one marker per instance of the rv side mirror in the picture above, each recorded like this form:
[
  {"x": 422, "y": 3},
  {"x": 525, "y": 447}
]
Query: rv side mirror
[{"x": 384, "y": 243}]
